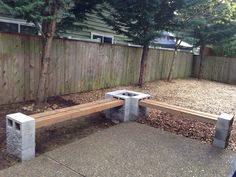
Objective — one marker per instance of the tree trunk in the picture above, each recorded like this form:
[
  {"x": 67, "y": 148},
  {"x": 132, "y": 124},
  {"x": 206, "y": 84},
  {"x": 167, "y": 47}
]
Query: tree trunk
[
  {"x": 143, "y": 66},
  {"x": 169, "y": 78},
  {"x": 45, "y": 60},
  {"x": 201, "y": 62},
  {"x": 172, "y": 67}
]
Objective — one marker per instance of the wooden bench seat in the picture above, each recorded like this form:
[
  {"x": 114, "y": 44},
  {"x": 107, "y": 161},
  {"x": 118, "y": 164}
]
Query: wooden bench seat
[
  {"x": 60, "y": 115},
  {"x": 184, "y": 112}
]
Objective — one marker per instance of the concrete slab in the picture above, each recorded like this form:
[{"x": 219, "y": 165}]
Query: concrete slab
[
  {"x": 130, "y": 149},
  {"x": 39, "y": 167}
]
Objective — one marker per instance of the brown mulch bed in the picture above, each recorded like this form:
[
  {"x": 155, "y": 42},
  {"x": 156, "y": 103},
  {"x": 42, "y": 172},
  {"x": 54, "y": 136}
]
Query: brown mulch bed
[
  {"x": 203, "y": 95},
  {"x": 189, "y": 128},
  {"x": 194, "y": 129}
]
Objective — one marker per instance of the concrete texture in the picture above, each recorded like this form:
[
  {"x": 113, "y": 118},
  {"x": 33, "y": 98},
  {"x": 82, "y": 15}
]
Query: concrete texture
[
  {"x": 39, "y": 167},
  {"x": 223, "y": 130},
  {"x": 20, "y": 131},
  {"x": 131, "y": 109},
  {"x": 130, "y": 149}
]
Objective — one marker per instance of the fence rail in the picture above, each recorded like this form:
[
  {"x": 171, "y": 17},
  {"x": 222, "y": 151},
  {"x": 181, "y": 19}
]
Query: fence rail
[{"x": 77, "y": 66}]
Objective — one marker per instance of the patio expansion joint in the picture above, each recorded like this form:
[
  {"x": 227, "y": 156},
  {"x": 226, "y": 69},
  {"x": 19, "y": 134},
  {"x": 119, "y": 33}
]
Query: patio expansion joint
[{"x": 67, "y": 167}]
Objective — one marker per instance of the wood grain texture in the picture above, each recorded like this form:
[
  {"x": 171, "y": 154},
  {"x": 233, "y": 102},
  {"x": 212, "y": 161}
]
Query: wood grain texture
[
  {"x": 182, "y": 112},
  {"x": 61, "y": 115},
  {"x": 220, "y": 69}
]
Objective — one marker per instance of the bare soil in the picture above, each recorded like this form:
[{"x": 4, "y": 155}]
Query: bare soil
[{"x": 202, "y": 95}]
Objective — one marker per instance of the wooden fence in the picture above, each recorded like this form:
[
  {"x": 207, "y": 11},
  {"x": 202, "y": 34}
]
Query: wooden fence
[
  {"x": 77, "y": 66},
  {"x": 220, "y": 69}
]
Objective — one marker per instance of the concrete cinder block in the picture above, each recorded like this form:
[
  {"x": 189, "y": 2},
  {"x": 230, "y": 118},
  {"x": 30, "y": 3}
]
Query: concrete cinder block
[
  {"x": 223, "y": 130},
  {"x": 120, "y": 113},
  {"x": 28, "y": 154},
  {"x": 20, "y": 131},
  {"x": 220, "y": 143},
  {"x": 136, "y": 110},
  {"x": 222, "y": 134},
  {"x": 225, "y": 121},
  {"x": 131, "y": 109}
]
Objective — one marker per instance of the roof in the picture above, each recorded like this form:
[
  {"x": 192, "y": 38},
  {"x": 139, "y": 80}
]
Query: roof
[{"x": 169, "y": 40}]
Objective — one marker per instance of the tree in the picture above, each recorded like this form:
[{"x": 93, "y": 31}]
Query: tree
[
  {"x": 181, "y": 28},
  {"x": 48, "y": 16},
  {"x": 142, "y": 22},
  {"x": 226, "y": 48},
  {"x": 206, "y": 21},
  {"x": 214, "y": 26}
]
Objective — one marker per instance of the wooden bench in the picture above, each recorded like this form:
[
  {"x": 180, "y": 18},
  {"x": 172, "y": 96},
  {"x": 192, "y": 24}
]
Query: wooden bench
[
  {"x": 223, "y": 122},
  {"x": 20, "y": 128},
  {"x": 60, "y": 115},
  {"x": 183, "y": 112}
]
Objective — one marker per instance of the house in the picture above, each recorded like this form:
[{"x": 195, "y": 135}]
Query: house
[
  {"x": 16, "y": 26},
  {"x": 93, "y": 29},
  {"x": 168, "y": 40}
]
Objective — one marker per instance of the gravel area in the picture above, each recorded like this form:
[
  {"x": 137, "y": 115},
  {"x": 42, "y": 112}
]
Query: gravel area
[{"x": 206, "y": 96}]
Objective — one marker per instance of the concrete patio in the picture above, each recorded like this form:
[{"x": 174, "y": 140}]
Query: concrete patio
[{"x": 130, "y": 149}]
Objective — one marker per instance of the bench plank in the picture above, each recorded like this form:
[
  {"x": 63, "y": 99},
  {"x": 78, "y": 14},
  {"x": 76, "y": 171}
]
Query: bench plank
[
  {"x": 184, "y": 112},
  {"x": 47, "y": 113},
  {"x": 57, "y": 116}
]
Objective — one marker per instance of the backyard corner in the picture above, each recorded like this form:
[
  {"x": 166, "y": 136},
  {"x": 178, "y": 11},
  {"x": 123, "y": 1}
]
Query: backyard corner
[
  {"x": 206, "y": 96},
  {"x": 118, "y": 88}
]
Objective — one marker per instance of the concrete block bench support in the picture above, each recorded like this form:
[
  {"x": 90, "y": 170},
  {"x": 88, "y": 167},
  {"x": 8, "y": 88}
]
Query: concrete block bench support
[
  {"x": 223, "y": 129},
  {"x": 20, "y": 136},
  {"x": 131, "y": 109}
]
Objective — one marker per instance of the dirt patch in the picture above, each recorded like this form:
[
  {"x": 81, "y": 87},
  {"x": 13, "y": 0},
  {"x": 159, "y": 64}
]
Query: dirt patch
[
  {"x": 189, "y": 128},
  {"x": 194, "y": 129},
  {"x": 63, "y": 133},
  {"x": 202, "y": 95}
]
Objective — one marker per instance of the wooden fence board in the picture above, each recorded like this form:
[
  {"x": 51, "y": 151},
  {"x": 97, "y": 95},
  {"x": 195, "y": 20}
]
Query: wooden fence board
[
  {"x": 220, "y": 69},
  {"x": 232, "y": 71}
]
